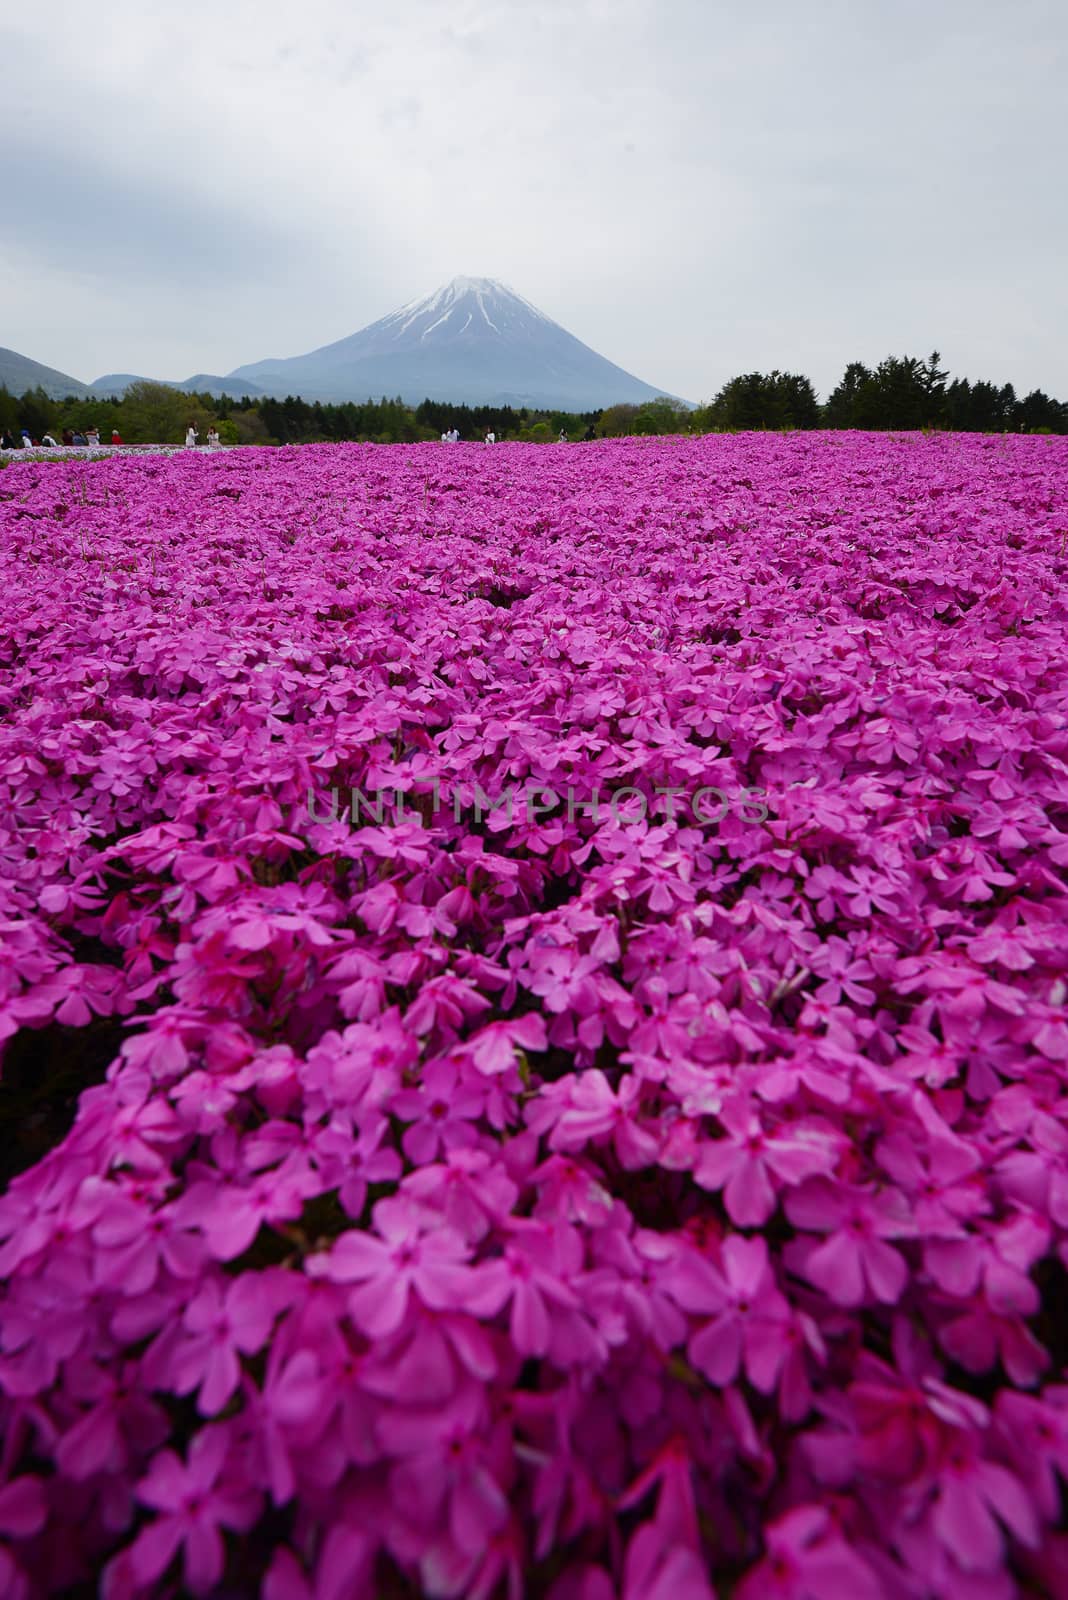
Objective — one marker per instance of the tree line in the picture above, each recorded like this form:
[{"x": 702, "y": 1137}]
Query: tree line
[{"x": 901, "y": 393}]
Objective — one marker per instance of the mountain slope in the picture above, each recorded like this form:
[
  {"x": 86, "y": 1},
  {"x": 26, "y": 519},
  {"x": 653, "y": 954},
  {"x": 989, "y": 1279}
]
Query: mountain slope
[
  {"x": 116, "y": 383},
  {"x": 113, "y": 383},
  {"x": 212, "y": 383},
  {"x": 473, "y": 341},
  {"x": 19, "y": 373}
]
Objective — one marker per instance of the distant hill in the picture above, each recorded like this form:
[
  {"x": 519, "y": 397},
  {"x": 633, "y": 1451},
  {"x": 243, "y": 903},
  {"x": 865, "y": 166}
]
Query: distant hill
[
  {"x": 19, "y": 373},
  {"x": 474, "y": 341},
  {"x": 113, "y": 383},
  {"x": 116, "y": 383},
  {"x": 211, "y": 383}
]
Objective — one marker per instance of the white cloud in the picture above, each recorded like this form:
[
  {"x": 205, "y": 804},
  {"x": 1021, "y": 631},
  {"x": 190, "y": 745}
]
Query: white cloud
[{"x": 695, "y": 189}]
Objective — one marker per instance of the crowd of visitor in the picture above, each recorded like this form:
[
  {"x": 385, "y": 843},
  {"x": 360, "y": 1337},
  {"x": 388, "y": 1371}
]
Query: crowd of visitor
[
  {"x": 69, "y": 438},
  {"x": 90, "y": 439}
]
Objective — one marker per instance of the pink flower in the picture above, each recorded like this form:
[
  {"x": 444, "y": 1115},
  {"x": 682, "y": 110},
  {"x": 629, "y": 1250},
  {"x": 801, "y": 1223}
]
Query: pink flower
[
  {"x": 120, "y": 1423},
  {"x": 222, "y": 1324},
  {"x": 855, "y": 1261},
  {"x": 745, "y": 1162},
  {"x": 470, "y": 1188},
  {"x": 807, "y": 1559},
  {"x": 653, "y": 1572},
  {"x": 136, "y": 1242},
  {"x": 664, "y": 1556},
  {"x": 974, "y": 1499},
  {"x": 231, "y": 1215},
  {"x": 357, "y": 1159},
  {"x": 442, "y": 1112},
  {"x": 713, "y": 1166},
  {"x": 749, "y": 1315},
  {"x": 532, "y": 1278},
  {"x": 23, "y": 1508},
  {"x": 451, "y": 1465},
  {"x": 585, "y": 1109},
  {"x": 900, "y": 1431},
  {"x": 194, "y": 1501},
  {"x": 493, "y": 1048},
  {"x": 343, "y": 1570},
  {"x": 405, "y": 1257}
]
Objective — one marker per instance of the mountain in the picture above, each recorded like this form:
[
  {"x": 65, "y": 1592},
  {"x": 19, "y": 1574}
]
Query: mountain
[
  {"x": 200, "y": 383},
  {"x": 474, "y": 341},
  {"x": 19, "y": 373},
  {"x": 113, "y": 383},
  {"x": 211, "y": 383}
]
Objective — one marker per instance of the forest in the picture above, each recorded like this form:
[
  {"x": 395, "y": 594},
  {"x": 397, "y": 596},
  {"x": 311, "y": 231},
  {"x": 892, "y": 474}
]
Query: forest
[{"x": 900, "y": 393}]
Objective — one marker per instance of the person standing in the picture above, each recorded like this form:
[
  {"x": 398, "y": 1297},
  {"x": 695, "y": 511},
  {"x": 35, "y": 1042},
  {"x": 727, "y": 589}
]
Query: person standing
[
  {"x": 190, "y": 437},
  {"x": 491, "y": 437},
  {"x": 115, "y": 437},
  {"x": 213, "y": 438},
  {"x": 27, "y": 442},
  {"x": 48, "y": 443},
  {"x": 92, "y": 438}
]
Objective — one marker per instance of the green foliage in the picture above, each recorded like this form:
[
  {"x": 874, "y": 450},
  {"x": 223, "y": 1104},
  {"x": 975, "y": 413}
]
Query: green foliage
[
  {"x": 154, "y": 413},
  {"x": 617, "y": 421},
  {"x": 933, "y": 381},
  {"x": 9, "y": 412},
  {"x": 846, "y": 403},
  {"x": 762, "y": 400},
  {"x": 1038, "y": 413},
  {"x": 902, "y": 392},
  {"x": 662, "y": 416},
  {"x": 35, "y": 412}
]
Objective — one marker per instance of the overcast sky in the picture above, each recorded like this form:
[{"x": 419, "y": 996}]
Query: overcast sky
[{"x": 695, "y": 188}]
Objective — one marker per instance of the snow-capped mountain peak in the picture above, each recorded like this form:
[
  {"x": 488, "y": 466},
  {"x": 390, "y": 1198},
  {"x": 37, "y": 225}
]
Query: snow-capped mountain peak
[
  {"x": 471, "y": 306},
  {"x": 474, "y": 341}
]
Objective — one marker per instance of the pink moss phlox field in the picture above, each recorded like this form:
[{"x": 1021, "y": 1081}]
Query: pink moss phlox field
[{"x": 566, "y": 1206}]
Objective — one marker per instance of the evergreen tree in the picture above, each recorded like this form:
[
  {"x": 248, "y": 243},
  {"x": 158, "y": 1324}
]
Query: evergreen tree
[
  {"x": 846, "y": 404},
  {"x": 36, "y": 411},
  {"x": 764, "y": 400},
  {"x": 1040, "y": 414},
  {"x": 9, "y": 411},
  {"x": 933, "y": 382}
]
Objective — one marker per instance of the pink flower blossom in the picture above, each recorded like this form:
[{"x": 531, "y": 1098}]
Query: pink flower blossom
[
  {"x": 425, "y": 1196},
  {"x": 748, "y": 1159},
  {"x": 855, "y": 1262},
  {"x": 807, "y": 1559},
  {"x": 404, "y": 1257},
  {"x": 193, "y": 1501}
]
